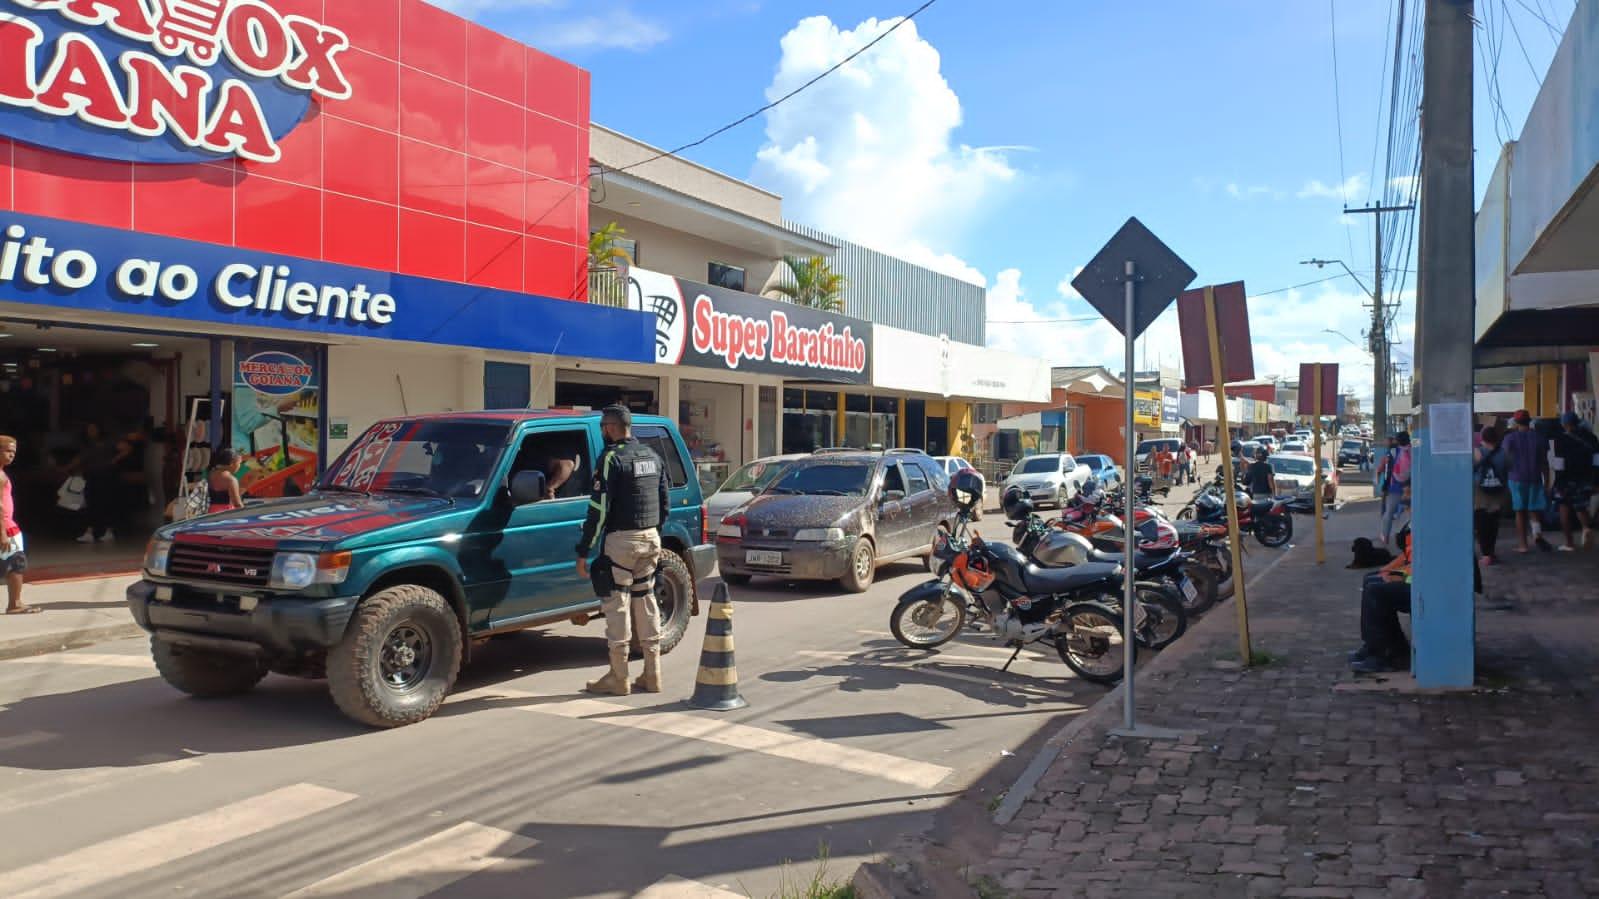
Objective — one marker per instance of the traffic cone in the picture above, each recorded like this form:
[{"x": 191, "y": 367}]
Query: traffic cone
[{"x": 716, "y": 687}]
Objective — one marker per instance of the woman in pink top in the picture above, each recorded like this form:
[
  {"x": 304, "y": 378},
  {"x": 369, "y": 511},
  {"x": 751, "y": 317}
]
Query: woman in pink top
[{"x": 14, "y": 562}]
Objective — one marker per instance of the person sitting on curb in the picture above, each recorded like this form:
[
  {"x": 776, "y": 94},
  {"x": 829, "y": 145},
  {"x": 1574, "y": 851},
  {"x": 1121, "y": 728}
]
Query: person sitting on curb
[{"x": 1383, "y": 596}]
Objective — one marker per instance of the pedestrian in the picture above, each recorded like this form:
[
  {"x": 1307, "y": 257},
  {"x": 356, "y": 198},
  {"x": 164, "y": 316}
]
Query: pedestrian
[
  {"x": 13, "y": 560},
  {"x": 628, "y": 505},
  {"x": 1365, "y": 457},
  {"x": 96, "y": 463},
  {"x": 1396, "y": 489},
  {"x": 1575, "y": 448},
  {"x": 1261, "y": 480},
  {"x": 222, "y": 483},
  {"x": 1379, "y": 481},
  {"x": 1527, "y": 460},
  {"x": 1489, "y": 474}
]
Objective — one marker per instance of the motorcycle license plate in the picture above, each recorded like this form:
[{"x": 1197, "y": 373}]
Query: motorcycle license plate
[
  {"x": 762, "y": 557},
  {"x": 1190, "y": 592}
]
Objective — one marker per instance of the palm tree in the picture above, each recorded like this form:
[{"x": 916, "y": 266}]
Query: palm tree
[
  {"x": 815, "y": 284},
  {"x": 604, "y": 252}
]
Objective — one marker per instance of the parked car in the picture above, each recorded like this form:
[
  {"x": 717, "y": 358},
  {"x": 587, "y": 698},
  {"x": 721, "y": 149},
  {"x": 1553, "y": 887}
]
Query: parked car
[
  {"x": 1267, "y": 441},
  {"x": 741, "y": 487},
  {"x": 1304, "y": 435},
  {"x": 837, "y": 515},
  {"x": 1104, "y": 468},
  {"x": 1049, "y": 478},
  {"x": 1295, "y": 445},
  {"x": 1296, "y": 475},
  {"x": 953, "y": 464},
  {"x": 1352, "y": 450},
  {"x": 1154, "y": 444},
  {"x": 1249, "y": 449},
  {"x": 427, "y": 535}
]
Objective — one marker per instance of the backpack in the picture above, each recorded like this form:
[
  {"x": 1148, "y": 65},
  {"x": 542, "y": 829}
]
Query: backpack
[{"x": 1489, "y": 478}]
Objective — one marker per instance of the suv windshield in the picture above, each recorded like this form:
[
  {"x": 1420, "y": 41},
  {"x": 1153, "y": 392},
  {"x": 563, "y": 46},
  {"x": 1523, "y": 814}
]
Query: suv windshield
[
  {"x": 1352, "y": 446},
  {"x": 754, "y": 477},
  {"x": 1149, "y": 446},
  {"x": 825, "y": 479},
  {"x": 438, "y": 458},
  {"x": 1039, "y": 465}
]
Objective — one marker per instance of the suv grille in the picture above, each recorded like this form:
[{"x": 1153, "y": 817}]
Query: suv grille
[{"x": 246, "y": 566}]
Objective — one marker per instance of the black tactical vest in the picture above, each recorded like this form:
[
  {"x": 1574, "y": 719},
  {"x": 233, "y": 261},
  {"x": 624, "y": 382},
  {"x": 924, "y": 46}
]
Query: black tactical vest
[{"x": 635, "y": 487}]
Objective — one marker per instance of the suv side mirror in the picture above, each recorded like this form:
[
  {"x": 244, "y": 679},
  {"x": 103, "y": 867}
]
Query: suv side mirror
[{"x": 527, "y": 487}]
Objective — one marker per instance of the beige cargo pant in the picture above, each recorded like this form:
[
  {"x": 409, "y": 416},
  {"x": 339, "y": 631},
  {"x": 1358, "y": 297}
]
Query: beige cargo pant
[{"x": 633, "y": 555}]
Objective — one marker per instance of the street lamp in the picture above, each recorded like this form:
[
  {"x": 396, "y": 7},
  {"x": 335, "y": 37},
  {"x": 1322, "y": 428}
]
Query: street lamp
[
  {"x": 1323, "y": 263},
  {"x": 1346, "y": 337}
]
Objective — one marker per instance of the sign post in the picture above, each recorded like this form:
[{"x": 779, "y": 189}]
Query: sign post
[
  {"x": 1226, "y": 355},
  {"x": 1323, "y": 379},
  {"x": 1133, "y": 256},
  {"x": 1315, "y": 427}
]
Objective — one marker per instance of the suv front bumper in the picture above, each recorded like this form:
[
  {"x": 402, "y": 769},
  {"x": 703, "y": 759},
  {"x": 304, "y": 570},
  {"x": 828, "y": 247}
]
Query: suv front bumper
[{"x": 213, "y": 620}]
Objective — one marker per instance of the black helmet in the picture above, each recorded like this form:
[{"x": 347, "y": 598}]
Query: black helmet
[
  {"x": 966, "y": 489},
  {"x": 1092, "y": 491},
  {"x": 1238, "y": 447},
  {"x": 1017, "y": 504}
]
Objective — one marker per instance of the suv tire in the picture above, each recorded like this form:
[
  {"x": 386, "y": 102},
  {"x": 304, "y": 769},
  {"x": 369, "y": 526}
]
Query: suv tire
[
  {"x": 862, "y": 567},
  {"x": 205, "y": 674},
  {"x": 398, "y": 659},
  {"x": 674, "y": 587}
]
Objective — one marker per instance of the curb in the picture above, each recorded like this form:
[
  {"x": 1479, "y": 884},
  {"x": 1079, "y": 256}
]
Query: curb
[{"x": 47, "y": 643}]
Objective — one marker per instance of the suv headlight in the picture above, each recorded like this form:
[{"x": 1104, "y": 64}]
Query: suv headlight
[
  {"x": 296, "y": 571},
  {"x": 820, "y": 535},
  {"x": 155, "y": 557}
]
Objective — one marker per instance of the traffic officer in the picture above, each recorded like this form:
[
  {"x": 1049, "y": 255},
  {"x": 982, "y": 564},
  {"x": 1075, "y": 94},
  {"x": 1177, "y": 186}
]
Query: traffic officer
[{"x": 628, "y": 505}]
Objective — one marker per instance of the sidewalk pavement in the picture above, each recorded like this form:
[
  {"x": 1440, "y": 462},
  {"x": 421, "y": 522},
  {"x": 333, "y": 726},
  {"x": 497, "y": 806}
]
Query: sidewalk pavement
[
  {"x": 75, "y": 613},
  {"x": 1296, "y": 778}
]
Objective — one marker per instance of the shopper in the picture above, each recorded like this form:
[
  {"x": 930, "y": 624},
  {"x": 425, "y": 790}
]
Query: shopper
[
  {"x": 1489, "y": 495},
  {"x": 222, "y": 483},
  {"x": 1575, "y": 448},
  {"x": 1527, "y": 461},
  {"x": 94, "y": 463},
  {"x": 1396, "y": 489},
  {"x": 13, "y": 561}
]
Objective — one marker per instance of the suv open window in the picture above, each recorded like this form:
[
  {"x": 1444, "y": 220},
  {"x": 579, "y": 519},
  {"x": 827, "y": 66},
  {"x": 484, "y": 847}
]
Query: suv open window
[
  {"x": 563, "y": 456},
  {"x": 659, "y": 439}
]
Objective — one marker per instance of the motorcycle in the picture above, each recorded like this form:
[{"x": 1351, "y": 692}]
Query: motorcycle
[
  {"x": 1270, "y": 520},
  {"x": 1020, "y": 603},
  {"x": 1208, "y": 545}
]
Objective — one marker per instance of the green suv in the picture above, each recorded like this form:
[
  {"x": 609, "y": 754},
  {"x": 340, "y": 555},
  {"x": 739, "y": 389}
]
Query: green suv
[{"x": 427, "y": 536}]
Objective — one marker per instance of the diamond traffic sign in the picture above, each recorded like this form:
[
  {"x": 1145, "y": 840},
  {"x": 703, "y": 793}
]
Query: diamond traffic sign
[{"x": 1158, "y": 276}]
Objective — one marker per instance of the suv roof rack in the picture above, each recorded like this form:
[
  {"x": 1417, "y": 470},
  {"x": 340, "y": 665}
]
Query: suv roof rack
[
  {"x": 830, "y": 450},
  {"x": 908, "y": 450}
]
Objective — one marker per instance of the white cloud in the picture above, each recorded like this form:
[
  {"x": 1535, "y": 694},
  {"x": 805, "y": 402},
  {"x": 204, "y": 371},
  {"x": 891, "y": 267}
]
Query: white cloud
[
  {"x": 1346, "y": 192},
  {"x": 869, "y": 152},
  {"x": 1065, "y": 288},
  {"x": 617, "y": 29}
]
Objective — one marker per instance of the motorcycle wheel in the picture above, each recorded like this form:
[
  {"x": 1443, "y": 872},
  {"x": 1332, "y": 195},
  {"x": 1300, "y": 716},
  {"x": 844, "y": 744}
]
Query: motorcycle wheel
[
  {"x": 929, "y": 623},
  {"x": 1164, "y": 617},
  {"x": 1091, "y": 642},
  {"x": 1274, "y": 530},
  {"x": 1204, "y": 581},
  {"x": 1185, "y": 514}
]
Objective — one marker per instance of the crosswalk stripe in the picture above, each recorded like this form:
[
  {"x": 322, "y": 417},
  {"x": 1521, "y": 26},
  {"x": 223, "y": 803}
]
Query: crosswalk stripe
[
  {"x": 89, "y": 660},
  {"x": 163, "y": 844},
  {"x": 753, "y": 739},
  {"x": 420, "y": 868},
  {"x": 68, "y": 786},
  {"x": 678, "y": 888},
  {"x": 31, "y": 738}
]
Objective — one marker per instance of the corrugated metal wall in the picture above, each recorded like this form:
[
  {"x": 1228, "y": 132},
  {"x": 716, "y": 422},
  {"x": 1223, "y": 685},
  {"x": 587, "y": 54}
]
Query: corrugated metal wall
[{"x": 893, "y": 292}]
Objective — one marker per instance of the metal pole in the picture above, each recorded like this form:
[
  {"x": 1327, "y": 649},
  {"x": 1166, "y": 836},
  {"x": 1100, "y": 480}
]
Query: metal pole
[
  {"x": 1315, "y": 428},
  {"x": 1234, "y": 540},
  {"x": 1379, "y": 345},
  {"x": 1129, "y": 543}
]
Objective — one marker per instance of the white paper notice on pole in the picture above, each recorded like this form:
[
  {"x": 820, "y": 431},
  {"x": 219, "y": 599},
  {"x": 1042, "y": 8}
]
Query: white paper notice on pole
[{"x": 1449, "y": 428}]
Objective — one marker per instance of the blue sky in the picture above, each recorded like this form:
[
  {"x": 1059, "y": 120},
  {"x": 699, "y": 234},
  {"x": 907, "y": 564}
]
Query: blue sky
[{"x": 1009, "y": 146}]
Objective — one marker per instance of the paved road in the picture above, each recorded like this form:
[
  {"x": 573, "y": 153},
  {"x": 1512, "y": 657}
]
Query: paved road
[{"x": 112, "y": 784}]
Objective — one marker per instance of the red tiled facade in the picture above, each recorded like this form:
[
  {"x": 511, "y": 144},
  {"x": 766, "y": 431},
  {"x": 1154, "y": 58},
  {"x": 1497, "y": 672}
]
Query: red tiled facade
[{"x": 461, "y": 154}]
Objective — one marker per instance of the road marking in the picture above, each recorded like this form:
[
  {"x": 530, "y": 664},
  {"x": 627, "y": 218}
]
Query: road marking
[
  {"x": 68, "y": 786},
  {"x": 678, "y": 888},
  {"x": 90, "y": 659},
  {"x": 425, "y": 866},
  {"x": 31, "y": 738},
  {"x": 163, "y": 844},
  {"x": 694, "y": 726}
]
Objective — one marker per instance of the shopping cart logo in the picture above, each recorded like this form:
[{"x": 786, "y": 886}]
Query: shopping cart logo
[{"x": 164, "y": 81}]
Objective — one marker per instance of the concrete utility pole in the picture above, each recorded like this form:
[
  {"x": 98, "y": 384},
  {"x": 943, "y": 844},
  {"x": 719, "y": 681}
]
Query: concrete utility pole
[
  {"x": 1441, "y": 599},
  {"x": 1381, "y": 368}
]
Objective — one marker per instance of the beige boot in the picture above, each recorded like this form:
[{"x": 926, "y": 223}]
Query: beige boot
[
  {"x": 650, "y": 680},
  {"x": 614, "y": 682}
]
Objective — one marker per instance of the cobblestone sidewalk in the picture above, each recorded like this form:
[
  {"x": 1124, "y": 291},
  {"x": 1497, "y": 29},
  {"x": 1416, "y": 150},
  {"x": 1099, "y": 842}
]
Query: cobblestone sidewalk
[{"x": 1298, "y": 779}]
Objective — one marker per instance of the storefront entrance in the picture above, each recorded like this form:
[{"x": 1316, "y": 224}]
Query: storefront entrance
[
  {"x": 711, "y": 417},
  {"x": 595, "y": 390}
]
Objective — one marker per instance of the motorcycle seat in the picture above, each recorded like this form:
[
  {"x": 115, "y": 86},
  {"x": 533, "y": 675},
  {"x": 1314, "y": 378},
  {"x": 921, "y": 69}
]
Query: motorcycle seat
[{"x": 1065, "y": 580}]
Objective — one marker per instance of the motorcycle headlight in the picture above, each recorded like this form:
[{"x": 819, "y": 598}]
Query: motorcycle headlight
[
  {"x": 819, "y": 535},
  {"x": 155, "y": 557}
]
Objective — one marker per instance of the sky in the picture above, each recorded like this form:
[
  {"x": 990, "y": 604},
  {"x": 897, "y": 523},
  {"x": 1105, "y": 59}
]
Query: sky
[{"x": 1006, "y": 147}]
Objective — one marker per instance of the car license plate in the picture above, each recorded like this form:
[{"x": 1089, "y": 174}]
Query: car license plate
[
  {"x": 762, "y": 557},
  {"x": 1189, "y": 590}
]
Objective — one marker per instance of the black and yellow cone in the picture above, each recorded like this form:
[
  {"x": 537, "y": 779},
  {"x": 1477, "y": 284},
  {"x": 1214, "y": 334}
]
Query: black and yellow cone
[{"x": 716, "y": 687}]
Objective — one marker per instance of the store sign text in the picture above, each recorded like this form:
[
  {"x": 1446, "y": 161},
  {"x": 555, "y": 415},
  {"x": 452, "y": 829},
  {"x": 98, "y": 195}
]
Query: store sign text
[
  {"x": 237, "y": 287},
  {"x": 219, "y": 77},
  {"x": 734, "y": 337}
]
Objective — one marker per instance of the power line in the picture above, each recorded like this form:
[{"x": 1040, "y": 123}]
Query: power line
[
  {"x": 780, "y": 100},
  {"x": 1094, "y": 318},
  {"x": 1538, "y": 14},
  {"x": 1516, "y": 32},
  {"x": 1338, "y": 102}
]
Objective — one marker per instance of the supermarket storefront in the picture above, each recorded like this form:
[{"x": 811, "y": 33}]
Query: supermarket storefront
[{"x": 267, "y": 229}]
